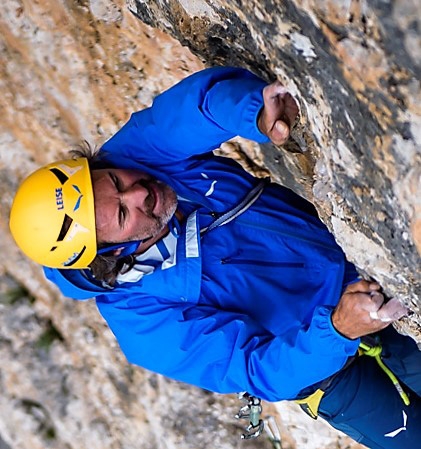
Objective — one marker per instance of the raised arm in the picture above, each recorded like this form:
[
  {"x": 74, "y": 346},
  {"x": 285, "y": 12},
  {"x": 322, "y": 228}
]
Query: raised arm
[{"x": 201, "y": 112}]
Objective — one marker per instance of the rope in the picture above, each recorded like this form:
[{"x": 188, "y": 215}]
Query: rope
[{"x": 375, "y": 351}]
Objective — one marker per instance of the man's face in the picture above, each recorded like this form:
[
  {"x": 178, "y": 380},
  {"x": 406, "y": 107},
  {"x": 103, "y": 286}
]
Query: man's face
[{"x": 130, "y": 205}]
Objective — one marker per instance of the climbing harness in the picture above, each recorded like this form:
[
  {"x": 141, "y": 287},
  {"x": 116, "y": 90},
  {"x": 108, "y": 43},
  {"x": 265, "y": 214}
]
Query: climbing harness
[
  {"x": 311, "y": 403},
  {"x": 370, "y": 347}
]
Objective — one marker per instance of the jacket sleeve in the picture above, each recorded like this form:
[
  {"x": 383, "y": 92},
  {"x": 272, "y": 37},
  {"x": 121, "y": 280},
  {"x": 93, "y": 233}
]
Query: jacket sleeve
[
  {"x": 193, "y": 117},
  {"x": 226, "y": 352}
]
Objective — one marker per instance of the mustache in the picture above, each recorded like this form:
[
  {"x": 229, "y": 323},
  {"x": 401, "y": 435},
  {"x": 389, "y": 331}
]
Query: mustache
[{"x": 150, "y": 200}]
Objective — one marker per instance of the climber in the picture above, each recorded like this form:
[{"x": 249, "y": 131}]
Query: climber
[{"x": 212, "y": 277}]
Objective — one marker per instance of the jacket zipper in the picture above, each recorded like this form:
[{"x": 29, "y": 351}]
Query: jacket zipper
[
  {"x": 233, "y": 260},
  {"x": 288, "y": 234}
]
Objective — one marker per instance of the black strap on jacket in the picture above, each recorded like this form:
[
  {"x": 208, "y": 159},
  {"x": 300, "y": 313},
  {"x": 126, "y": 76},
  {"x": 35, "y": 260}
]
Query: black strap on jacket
[{"x": 241, "y": 207}]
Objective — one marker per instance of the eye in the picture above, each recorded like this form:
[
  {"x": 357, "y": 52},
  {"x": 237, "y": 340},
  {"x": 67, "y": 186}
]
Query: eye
[
  {"x": 116, "y": 181},
  {"x": 122, "y": 215},
  {"x": 122, "y": 210}
]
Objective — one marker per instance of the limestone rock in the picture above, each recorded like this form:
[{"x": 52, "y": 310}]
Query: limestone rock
[{"x": 76, "y": 70}]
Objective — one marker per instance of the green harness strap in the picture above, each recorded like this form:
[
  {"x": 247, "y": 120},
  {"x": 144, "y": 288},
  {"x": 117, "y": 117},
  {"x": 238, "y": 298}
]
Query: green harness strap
[{"x": 311, "y": 403}]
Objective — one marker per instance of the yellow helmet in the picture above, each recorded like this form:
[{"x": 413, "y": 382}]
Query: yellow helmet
[{"x": 53, "y": 217}]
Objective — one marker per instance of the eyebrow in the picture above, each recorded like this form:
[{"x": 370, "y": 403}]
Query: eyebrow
[{"x": 122, "y": 210}]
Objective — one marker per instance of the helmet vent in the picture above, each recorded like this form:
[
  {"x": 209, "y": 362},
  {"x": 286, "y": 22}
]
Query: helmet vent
[
  {"x": 73, "y": 261},
  {"x": 62, "y": 177},
  {"x": 64, "y": 228}
]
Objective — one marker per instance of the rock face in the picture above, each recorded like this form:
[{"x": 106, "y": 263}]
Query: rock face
[
  {"x": 76, "y": 70},
  {"x": 354, "y": 67}
]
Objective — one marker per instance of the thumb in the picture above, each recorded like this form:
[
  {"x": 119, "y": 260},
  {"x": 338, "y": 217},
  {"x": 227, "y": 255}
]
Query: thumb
[
  {"x": 392, "y": 310},
  {"x": 280, "y": 132}
]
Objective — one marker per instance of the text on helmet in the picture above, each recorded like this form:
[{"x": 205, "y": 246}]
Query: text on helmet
[{"x": 59, "y": 198}]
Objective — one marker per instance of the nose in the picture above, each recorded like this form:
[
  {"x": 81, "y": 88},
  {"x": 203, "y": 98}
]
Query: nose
[{"x": 135, "y": 196}]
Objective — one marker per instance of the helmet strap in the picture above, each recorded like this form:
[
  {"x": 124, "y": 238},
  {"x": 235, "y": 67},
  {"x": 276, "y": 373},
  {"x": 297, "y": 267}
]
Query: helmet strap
[
  {"x": 129, "y": 248},
  {"x": 126, "y": 248}
]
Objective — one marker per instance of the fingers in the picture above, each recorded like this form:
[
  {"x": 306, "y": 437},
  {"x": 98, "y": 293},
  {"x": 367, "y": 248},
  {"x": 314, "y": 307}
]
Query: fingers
[
  {"x": 366, "y": 303},
  {"x": 279, "y": 133},
  {"x": 273, "y": 90},
  {"x": 376, "y": 300},
  {"x": 361, "y": 310},
  {"x": 291, "y": 109},
  {"x": 391, "y": 311},
  {"x": 279, "y": 113},
  {"x": 362, "y": 287},
  {"x": 284, "y": 107},
  {"x": 377, "y": 308}
]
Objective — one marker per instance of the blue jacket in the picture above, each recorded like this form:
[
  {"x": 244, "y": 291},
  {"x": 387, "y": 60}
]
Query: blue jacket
[{"x": 246, "y": 307}]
